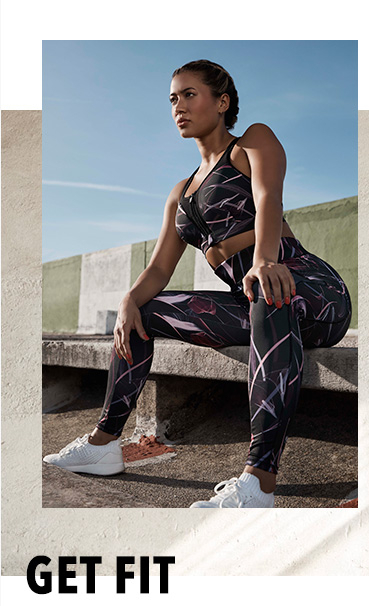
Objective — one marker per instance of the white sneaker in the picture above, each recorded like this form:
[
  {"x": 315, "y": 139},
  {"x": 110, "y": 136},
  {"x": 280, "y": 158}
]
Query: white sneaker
[
  {"x": 237, "y": 492},
  {"x": 81, "y": 456}
]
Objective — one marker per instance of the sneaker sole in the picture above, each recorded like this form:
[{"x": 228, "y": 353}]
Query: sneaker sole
[
  {"x": 206, "y": 505},
  {"x": 101, "y": 469}
]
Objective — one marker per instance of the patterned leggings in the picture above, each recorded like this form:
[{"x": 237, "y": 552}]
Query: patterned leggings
[{"x": 318, "y": 316}]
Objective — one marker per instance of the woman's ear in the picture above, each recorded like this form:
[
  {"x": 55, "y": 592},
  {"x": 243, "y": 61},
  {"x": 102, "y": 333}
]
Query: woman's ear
[{"x": 224, "y": 103}]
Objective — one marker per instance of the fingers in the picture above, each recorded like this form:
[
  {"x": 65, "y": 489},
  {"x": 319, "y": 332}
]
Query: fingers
[
  {"x": 122, "y": 340},
  {"x": 292, "y": 284},
  {"x": 282, "y": 287},
  {"x": 269, "y": 284},
  {"x": 275, "y": 281},
  {"x": 122, "y": 344},
  {"x": 248, "y": 281},
  {"x": 139, "y": 327},
  {"x": 288, "y": 285},
  {"x": 276, "y": 290}
]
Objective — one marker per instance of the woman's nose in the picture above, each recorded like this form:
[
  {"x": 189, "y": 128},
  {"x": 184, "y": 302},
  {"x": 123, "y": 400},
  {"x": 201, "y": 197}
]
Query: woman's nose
[{"x": 180, "y": 108}]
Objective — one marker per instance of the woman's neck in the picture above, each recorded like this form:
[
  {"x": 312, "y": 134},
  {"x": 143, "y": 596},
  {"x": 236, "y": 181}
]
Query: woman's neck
[{"x": 212, "y": 146}]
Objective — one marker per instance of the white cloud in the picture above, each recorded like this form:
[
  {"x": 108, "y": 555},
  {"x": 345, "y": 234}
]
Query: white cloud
[
  {"x": 122, "y": 227},
  {"x": 115, "y": 188}
]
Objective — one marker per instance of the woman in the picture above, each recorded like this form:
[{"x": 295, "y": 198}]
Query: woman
[{"x": 282, "y": 298}]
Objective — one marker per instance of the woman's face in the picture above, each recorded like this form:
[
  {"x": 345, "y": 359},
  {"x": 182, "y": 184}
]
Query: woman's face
[{"x": 194, "y": 109}]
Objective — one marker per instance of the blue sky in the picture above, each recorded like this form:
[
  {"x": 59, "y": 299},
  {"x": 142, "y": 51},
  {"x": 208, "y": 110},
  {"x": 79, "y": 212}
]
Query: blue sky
[{"x": 112, "y": 153}]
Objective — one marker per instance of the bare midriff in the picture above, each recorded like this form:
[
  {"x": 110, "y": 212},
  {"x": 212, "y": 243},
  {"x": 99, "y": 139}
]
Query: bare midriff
[{"x": 225, "y": 249}]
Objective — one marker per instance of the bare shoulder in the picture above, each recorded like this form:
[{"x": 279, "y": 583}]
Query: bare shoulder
[
  {"x": 264, "y": 151},
  {"x": 257, "y": 135}
]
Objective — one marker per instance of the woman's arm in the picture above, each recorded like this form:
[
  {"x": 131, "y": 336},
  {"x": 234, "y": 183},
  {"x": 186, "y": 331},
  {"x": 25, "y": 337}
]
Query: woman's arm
[
  {"x": 268, "y": 168},
  {"x": 167, "y": 252}
]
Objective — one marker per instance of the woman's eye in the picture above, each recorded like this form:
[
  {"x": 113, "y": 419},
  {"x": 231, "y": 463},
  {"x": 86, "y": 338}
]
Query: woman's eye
[{"x": 174, "y": 99}]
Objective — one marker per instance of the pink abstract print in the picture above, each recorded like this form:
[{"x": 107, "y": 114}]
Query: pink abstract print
[
  {"x": 318, "y": 316},
  {"x": 224, "y": 215},
  {"x": 221, "y": 207}
]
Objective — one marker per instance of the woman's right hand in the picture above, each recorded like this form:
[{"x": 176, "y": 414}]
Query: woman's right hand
[{"x": 129, "y": 317}]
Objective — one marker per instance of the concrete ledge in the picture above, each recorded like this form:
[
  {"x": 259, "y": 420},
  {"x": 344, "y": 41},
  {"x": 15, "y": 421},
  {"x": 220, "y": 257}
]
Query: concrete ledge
[
  {"x": 333, "y": 368},
  {"x": 180, "y": 373}
]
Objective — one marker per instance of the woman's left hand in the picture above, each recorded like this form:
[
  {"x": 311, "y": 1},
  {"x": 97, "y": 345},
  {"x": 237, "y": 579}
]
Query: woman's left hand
[{"x": 275, "y": 279}]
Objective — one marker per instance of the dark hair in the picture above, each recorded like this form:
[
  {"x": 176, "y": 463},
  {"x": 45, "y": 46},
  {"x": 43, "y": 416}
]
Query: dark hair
[{"x": 219, "y": 81}]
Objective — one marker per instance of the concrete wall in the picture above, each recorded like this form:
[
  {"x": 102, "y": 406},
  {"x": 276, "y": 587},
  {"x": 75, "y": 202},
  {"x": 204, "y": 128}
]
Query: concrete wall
[
  {"x": 183, "y": 276},
  {"x": 77, "y": 288},
  {"x": 61, "y": 292},
  {"x": 105, "y": 279}
]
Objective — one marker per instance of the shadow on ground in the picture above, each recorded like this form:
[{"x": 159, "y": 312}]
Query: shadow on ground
[{"x": 318, "y": 468}]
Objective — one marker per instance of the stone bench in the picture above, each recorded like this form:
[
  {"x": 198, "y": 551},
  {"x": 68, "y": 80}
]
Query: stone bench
[{"x": 333, "y": 369}]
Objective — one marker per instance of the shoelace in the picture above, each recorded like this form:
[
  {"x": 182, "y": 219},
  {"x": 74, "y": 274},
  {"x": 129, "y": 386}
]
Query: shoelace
[
  {"x": 229, "y": 487},
  {"x": 72, "y": 445}
]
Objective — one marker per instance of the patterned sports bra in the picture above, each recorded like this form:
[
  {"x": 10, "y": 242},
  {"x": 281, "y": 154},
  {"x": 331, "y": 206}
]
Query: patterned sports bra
[{"x": 221, "y": 207}]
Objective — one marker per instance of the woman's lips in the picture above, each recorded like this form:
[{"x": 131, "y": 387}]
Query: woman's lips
[{"x": 182, "y": 122}]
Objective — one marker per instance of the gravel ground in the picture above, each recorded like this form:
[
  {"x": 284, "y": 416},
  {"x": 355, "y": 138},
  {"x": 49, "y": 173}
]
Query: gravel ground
[{"x": 318, "y": 468}]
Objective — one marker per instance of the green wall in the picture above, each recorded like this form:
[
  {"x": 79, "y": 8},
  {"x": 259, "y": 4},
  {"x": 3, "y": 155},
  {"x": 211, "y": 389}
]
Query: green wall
[
  {"x": 61, "y": 282},
  {"x": 183, "y": 276},
  {"x": 330, "y": 231}
]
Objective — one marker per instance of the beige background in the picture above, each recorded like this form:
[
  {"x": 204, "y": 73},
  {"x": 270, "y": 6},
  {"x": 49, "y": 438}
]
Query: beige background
[{"x": 282, "y": 542}]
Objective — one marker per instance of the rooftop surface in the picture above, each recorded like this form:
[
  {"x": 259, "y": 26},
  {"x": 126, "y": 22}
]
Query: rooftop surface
[{"x": 318, "y": 466}]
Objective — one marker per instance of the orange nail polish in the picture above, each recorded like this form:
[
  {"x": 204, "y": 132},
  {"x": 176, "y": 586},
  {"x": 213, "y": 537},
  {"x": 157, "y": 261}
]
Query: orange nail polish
[
  {"x": 279, "y": 304},
  {"x": 287, "y": 300},
  {"x": 270, "y": 301}
]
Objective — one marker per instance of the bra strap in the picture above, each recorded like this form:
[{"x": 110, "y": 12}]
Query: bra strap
[{"x": 230, "y": 147}]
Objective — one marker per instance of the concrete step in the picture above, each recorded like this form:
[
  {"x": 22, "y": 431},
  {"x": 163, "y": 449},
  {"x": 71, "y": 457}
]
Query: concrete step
[{"x": 334, "y": 368}]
